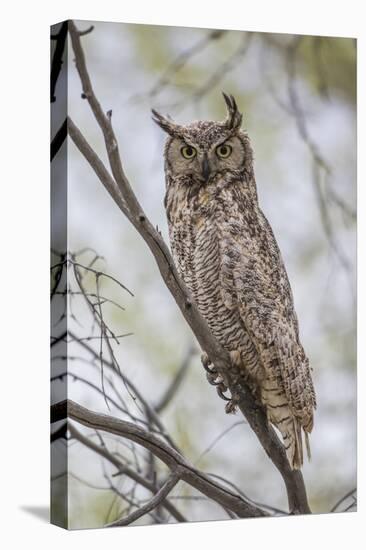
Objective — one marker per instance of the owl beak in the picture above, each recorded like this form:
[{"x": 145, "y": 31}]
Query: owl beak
[{"x": 206, "y": 171}]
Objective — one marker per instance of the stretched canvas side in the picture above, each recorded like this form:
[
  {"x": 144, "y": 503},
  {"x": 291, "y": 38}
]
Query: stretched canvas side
[{"x": 59, "y": 303}]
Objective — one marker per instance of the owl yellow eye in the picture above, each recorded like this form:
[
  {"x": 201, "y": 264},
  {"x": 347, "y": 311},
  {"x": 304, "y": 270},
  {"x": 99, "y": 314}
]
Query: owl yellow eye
[
  {"x": 223, "y": 151},
  {"x": 188, "y": 152}
]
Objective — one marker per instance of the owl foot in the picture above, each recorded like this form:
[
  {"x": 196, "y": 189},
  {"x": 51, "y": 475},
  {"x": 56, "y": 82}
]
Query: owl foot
[
  {"x": 214, "y": 377},
  {"x": 211, "y": 373},
  {"x": 221, "y": 390}
]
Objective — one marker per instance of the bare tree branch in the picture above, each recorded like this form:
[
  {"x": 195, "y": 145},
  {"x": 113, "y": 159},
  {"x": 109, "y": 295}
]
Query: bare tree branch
[
  {"x": 71, "y": 261},
  {"x": 149, "y": 410},
  {"x": 123, "y": 469},
  {"x": 122, "y": 193},
  {"x": 87, "y": 31},
  {"x": 217, "y": 439},
  {"x": 343, "y": 499},
  {"x": 128, "y": 497},
  {"x": 153, "y": 503},
  {"x": 240, "y": 492},
  {"x": 169, "y": 456},
  {"x": 103, "y": 299}
]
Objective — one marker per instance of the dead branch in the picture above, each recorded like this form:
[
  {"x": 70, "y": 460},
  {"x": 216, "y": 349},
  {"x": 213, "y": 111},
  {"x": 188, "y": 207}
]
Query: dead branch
[
  {"x": 123, "y": 469},
  {"x": 348, "y": 495},
  {"x": 217, "y": 439},
  {"x": 169, "y": 456},
  {"x": 120, "y": 189},
  {"x": 148, "y": 409},
  {"x": 153, "y": 503}
]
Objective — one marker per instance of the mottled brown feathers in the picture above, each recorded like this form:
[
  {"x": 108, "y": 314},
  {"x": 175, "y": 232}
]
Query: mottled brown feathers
[{"x": 227, "y": 254}]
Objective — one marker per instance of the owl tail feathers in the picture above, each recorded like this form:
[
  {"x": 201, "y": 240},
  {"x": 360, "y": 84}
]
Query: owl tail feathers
[
  {"x": 295, "y": 450},
  {"x": 307, "y": 443}
]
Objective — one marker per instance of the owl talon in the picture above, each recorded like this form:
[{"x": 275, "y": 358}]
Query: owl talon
[
  {"x": 212, "y": 378},
  {"x": 211, "y": 373},
  {"x": 221, "y": 389}
]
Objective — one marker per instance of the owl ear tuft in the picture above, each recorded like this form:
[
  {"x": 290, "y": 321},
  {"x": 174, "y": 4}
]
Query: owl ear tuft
[
  {"x": 166, "y": 123},
  {"x": 234, "y": 117}
]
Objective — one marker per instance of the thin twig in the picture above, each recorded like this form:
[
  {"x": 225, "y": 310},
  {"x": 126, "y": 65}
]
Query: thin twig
[
  {"x": 100, "y": 274},
  {"x": 103, "y": 299},
  {"x": 217, "y": 439},
  {"x": 153, "y": 503},
  {"x": 135, "y": 394}
]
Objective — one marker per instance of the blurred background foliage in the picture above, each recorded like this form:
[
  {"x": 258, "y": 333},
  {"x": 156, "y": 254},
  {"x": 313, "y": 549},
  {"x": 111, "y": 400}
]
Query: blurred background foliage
[{"x": 298, "y": 96}]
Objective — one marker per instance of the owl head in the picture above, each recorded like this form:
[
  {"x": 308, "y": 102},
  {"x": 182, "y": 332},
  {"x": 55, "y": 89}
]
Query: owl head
[{"x": 204, "y": 150}]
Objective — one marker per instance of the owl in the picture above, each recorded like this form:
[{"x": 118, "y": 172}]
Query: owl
[{"x": 226, "y": 253}]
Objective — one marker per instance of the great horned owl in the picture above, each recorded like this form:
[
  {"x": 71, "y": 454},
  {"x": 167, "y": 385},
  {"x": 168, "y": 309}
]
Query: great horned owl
[{"x": 228, "y": 257}]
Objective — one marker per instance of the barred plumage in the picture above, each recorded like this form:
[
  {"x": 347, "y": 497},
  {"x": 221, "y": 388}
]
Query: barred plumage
[{"x": 227, "y": 254}]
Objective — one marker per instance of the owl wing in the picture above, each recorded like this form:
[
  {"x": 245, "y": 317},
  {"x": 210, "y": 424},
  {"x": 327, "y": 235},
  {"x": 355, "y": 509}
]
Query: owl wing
[{"x": 254, "y": 279}]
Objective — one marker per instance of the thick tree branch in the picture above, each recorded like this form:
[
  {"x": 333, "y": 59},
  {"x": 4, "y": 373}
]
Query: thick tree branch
[
  {"x": 171, "y": 458},
  {"x": 122, "y": 193},
  {"x": 98, "y": 166}
]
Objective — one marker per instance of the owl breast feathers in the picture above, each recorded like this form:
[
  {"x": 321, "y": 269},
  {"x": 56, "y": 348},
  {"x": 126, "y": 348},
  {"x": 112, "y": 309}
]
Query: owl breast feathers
[{"x": 227, "y": 255}]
